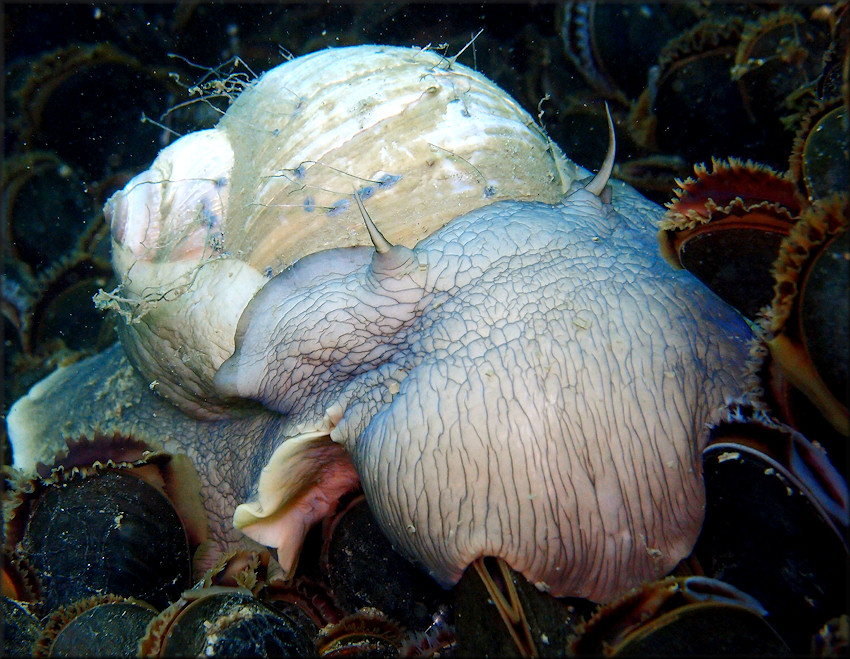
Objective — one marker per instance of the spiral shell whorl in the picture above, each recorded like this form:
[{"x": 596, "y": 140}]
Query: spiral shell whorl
[{"x": 424, "y": 139}]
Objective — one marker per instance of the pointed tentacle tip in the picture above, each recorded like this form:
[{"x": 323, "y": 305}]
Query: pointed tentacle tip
[
  {"x": 393, "y": 260},
  {"x": 382, "y": 245},
  {"x": 597, "y": 185}
]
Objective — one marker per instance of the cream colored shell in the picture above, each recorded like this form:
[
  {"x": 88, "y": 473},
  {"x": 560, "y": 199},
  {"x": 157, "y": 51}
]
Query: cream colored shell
[{"x": 422, "y": 139}]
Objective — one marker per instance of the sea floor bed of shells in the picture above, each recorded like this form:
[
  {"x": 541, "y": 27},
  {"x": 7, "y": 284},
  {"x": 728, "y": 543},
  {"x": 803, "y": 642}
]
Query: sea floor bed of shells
[{"x": 757, "y": 210}]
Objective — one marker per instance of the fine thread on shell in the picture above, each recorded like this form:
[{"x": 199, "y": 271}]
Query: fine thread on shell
[
  {"x": 294, "y": 174},
  {"x": 210, "y": 86},
  {"x": 134, "y": 309}
]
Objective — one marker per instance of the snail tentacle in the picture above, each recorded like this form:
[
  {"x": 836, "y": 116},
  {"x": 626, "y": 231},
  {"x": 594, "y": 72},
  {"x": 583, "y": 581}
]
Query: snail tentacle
[
  {"x": 597, "y": 185},
  {"x": 382, "y": 245}
]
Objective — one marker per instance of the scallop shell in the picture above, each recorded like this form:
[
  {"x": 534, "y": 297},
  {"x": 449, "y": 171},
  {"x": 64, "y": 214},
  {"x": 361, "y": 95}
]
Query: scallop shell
[{"x": 420, "y": 136}]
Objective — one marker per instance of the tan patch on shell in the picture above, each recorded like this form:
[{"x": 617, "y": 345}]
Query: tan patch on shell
[{"x": 239, "y": 568}]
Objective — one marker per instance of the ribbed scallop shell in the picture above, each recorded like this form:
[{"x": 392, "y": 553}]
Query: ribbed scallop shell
[{"x": 423, "y": 138}]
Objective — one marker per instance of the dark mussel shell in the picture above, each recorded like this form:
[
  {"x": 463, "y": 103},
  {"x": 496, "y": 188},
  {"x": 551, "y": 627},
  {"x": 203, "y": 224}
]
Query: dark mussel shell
[
  {"x": 820, "y": 163},
  {"x": 824, "y": 332},
  {"x": 20, "y": 628},
  {"x": 776, "y": 517},
  {"x": 547, "y": 622},
  {"x": 307, "y": 602},
  {"x": 104, "y": 625},
  {"x": 366, "y": 632},
  {"x": 679, "y": 616},
  {"x": 689, "y": 87},
  {"x": 779, "y": 53},
  {"x": 726, "y": 227},
  {"x": 727, "y": 71},
  {"x": 364, "y": 570},
  {"x": 807, "y": 323},
  {"x": 94, "y": 78},
  {"x": 596, "y": 34},
  {"x": 836, "y": 60},
  {"x": 106, "y": 532},
  {"x": 36, "y": 185},
  {"x": 61, "y": 309},
  {"x": 224, "y": 621}
]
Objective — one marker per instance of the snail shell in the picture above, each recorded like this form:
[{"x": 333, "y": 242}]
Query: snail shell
[{"x": 424, "y": 138}]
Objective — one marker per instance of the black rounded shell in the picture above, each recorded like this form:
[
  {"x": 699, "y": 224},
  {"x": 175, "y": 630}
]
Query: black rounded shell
[{"x": 107, "y": 533}]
